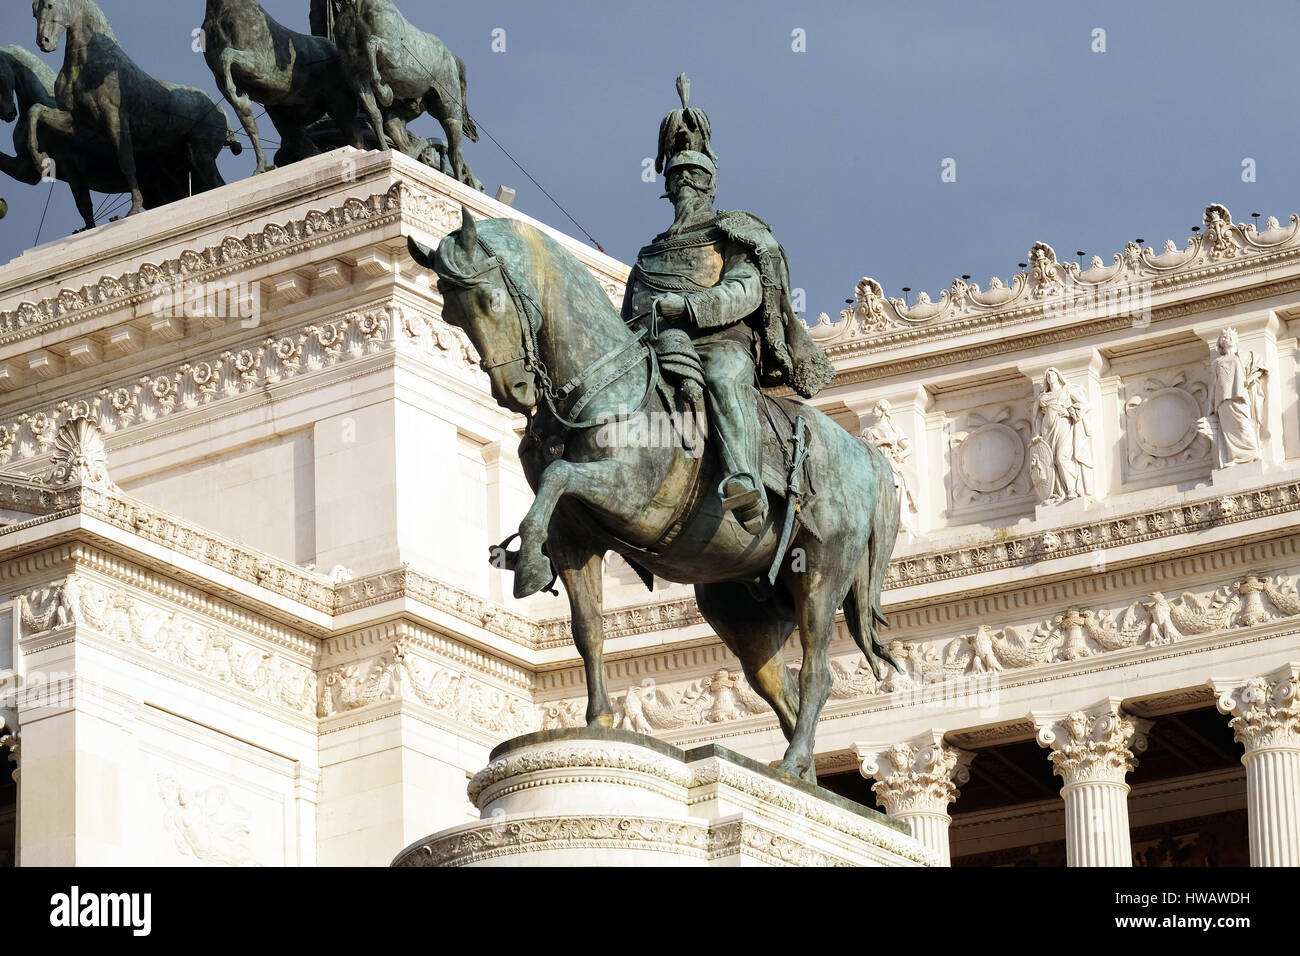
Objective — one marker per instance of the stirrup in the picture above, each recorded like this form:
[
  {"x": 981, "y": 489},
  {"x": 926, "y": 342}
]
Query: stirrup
[{"x": 741, "y": 499}]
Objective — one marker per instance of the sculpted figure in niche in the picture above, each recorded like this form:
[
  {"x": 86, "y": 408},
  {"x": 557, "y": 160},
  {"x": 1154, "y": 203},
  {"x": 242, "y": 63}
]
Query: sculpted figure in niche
[
  {"x": 889, "y": 438},
  {"x": 1237, "y": 403},
  {"x": 1061, "y": 452}
]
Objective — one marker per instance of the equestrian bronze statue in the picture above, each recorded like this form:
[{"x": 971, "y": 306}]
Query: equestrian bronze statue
[
  {"x": 298, "y": 77},
  {"x": 100, "y": 90},
  {"x": 85, "y": 160},
  {"x": 399, "y": 72},
  {"x": 782, "y": 520}
]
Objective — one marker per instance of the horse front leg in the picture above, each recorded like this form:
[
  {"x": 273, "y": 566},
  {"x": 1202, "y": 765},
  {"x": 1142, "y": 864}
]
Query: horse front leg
[
  {"x": 595, "y": 483},
  {"x": 119, "y": 134},
  {"x": 580, "y": 568},
  {"x": 43, "y": 123},
  {"x": 366, "y": 98}
]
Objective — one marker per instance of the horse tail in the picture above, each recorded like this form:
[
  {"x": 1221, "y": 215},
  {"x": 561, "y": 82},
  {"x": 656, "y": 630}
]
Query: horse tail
[
  {"x": 862, "y": 608},
  {"x": 467, "y": 122}
]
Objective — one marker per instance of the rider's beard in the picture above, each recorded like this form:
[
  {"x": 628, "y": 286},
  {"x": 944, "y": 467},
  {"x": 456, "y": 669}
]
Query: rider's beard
[{"x": 690, "y": 207}]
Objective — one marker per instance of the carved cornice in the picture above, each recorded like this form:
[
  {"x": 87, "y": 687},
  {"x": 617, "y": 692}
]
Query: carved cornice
[
  {"x": 1051, "y": 289},
  {"x": 273, "y": 241},
  {"x": 1265, "y": 710}
]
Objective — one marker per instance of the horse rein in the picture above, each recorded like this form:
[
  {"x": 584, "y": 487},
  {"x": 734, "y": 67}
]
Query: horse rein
[{"x": 529, "y": 313}]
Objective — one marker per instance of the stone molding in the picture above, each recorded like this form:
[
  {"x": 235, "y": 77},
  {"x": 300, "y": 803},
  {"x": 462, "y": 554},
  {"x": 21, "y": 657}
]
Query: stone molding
[
  {"x": 1265, "y": 710},
  {"x": 1094, "y": 745}
]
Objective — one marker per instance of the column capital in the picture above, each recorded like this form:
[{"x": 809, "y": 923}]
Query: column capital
[
  {"x": 1093, "y": 745},
  {"x": 1265, "y": 710},
  {"x": 921, "y": 775}
]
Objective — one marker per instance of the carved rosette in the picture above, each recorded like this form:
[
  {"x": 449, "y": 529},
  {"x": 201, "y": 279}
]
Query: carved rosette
[
  {"x": 918, "y": 777},
  {"x": 1265, "y": 710},
  {"x": 1095, "y": 745}
]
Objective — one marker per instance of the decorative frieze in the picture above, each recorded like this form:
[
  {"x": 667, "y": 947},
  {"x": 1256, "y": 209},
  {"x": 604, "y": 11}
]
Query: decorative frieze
[
  {"x": 398, "y": 675},
  {"x": 206, "y": 824},
  {"x": 177, "y": 638}
]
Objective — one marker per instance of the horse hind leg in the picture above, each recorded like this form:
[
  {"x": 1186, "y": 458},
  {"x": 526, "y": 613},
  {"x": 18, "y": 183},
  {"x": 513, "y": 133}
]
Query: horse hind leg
[
  {"x": 580, "y": 569},
  {"x": 449, "y": 119},
  {"x": 816, "y": 602},
  {"x": 756, "y": 632}
]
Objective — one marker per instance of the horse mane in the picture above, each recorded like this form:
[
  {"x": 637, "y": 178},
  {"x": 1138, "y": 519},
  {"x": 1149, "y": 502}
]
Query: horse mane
[
  {"x": 98, "y": 22},
  {"x": 514, "y": 242},
  {"x": 33, "y": 64}
]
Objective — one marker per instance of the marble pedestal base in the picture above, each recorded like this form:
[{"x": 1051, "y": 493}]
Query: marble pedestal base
[{"x": 591, "y": 797}]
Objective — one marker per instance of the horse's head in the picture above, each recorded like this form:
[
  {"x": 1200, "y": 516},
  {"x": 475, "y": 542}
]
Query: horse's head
[
  {"x": 8, "y": 89},
  {"x": 51, "y": 21},
  {"x": 477, "y": 300}
]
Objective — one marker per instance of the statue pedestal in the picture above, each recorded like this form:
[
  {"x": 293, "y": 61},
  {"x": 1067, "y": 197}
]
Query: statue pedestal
[{"x": 592, "y": 797}]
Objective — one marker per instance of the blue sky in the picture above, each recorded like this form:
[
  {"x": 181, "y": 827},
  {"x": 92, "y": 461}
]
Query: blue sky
[{"x": 840, "y": 148}]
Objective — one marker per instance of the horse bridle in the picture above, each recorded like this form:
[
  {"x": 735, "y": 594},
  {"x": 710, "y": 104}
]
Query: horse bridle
[{"x": 528, "y": 311}]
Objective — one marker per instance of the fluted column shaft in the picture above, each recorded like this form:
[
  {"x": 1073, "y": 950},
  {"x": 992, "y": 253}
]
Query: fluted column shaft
[
  {"x": 1092, "y": 751},
  {"x": 1265, "y": 715}
]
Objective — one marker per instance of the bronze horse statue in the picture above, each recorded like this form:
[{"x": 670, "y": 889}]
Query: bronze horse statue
[
  {"x": 399, "y": 71},
  {"x": 298, "y": 77},
  {"x": 86, "y": 161},
  {"x": 538, "y": 318},
  {"x": 101, "y": 89}
]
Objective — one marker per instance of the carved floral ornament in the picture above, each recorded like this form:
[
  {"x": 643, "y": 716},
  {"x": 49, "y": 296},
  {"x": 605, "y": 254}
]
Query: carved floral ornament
[
  {"x": 1095, "y": 745},
  {"x": 1265, "y": 711},
  {"x": 916, "y": 778},
  {"x": 1051, "y": 286}
]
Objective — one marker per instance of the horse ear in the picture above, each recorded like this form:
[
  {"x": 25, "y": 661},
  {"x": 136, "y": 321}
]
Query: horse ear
[
  {"x": 420, "y": 253},
  {"x": 467, "y": 236}
]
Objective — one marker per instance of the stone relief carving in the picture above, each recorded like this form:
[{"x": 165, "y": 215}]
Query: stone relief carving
[
  {"x": 911, "y": 778},
  {"x": 172, "y": 636},
  {"x": 1053, "y": 287},
  {"x": 1096, "y": 745},
  {"x": 79, "y": 455},
  {"x": 1060, "y": 459},
  {"x": 988, "y": 458},
  {"x": 1237, "y": 403},
  {"x": 397, "y": 674},
  {"x": 897, "y": 448},
  {"x": 206, "y": 824},
  {"x": 1264, "y": 711},
  {"x": 1166, "y": 424}
]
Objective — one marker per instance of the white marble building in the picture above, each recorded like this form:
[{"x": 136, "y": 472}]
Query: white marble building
[{"x": 267, "y": 632}]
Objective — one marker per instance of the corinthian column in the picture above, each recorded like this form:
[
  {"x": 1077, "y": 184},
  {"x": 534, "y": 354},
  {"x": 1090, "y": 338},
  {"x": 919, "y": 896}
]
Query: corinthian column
[
  {"x": 1092, "y": 751},
  {"x": 916, "y": 781},
  {"x": 1266, "y": 721}
]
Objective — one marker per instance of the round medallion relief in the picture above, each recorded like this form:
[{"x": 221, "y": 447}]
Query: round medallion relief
[
  {"x": 1165, "y": 424},
  {"x": 991, "y": 457}
]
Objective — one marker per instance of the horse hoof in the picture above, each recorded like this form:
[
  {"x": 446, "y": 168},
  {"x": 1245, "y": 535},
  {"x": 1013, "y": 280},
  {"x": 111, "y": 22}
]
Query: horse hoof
[
  {"x": 532, "y": 573},
  {"x": 601, "y": 720}
]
